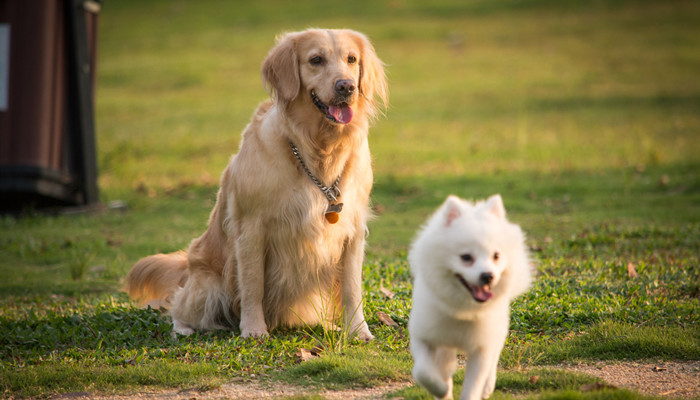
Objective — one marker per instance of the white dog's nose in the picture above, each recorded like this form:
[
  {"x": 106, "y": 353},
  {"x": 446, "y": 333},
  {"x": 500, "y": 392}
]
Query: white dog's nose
[{"x": 486, "y": 278}]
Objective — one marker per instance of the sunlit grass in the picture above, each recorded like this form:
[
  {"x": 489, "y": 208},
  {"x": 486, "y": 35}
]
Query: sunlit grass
[{"x": 585, "y": 116}]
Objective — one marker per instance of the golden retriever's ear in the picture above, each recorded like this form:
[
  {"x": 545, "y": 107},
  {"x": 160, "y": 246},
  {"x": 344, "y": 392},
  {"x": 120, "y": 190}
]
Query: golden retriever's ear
[
  {"x": 373, "y": 84},
  {"x": 280, "y": 70}
]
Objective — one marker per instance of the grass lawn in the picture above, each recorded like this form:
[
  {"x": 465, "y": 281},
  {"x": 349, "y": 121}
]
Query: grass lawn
[{"x": 584, "y": 116}]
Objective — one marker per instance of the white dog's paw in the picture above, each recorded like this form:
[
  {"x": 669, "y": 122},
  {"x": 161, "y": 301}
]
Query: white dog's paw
[
  {"x": 180, "y": 328},
  {"x": 432, "y": 382},
  {"x": 488, "y": 390},
  {"x": 489, "y": 386}
]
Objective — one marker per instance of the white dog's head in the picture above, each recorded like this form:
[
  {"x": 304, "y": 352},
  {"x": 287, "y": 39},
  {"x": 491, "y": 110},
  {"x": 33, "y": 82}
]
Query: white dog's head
[{"x": 471, "y": 251}]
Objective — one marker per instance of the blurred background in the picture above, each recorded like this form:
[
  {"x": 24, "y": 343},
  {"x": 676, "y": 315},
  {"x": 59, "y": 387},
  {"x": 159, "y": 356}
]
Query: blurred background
[{"x": 551, "y": 102}]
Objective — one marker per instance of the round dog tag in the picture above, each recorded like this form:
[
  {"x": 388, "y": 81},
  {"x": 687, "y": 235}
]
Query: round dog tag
[
  {"x": 333, "y": 212},
  {"x": 332, "y": 217}
]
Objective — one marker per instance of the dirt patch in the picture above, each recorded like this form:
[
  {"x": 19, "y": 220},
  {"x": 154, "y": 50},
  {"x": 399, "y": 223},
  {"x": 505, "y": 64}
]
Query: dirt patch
[
  {"x": 678, "y": 379},
  {"x": 668, "y": 379},
  {"x": 247, "y": 390}
]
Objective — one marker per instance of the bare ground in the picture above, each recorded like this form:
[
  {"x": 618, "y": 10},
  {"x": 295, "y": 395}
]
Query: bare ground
[{"x": 679, "y": 379}]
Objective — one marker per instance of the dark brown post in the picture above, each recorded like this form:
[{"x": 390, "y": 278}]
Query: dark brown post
[{"x": 47, "y": 72}]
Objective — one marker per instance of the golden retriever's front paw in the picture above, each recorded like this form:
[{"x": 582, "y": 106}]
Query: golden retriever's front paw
[
  {"x": 254, "y": 333},
  {"x": 363, "y": 332},
  {"x": 254, "y": 330},
  {"x": 365, "y": 335},
  {"x": 361, "y": 329}
]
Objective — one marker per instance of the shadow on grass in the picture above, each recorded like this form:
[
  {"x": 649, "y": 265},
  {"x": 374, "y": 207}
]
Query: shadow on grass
[{"x": 541, "y": 384}]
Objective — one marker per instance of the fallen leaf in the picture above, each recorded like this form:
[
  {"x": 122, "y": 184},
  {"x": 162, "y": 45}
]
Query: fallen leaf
[
  {"x": 534, "y": 379},
  {"x": 386, "y": 320},
  {"x": 388, "y": 293},
  {"x": 631, "y": 271}
]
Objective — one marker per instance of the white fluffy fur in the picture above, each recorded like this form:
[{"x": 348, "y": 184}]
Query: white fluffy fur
[{"x": 446, "y": 317}]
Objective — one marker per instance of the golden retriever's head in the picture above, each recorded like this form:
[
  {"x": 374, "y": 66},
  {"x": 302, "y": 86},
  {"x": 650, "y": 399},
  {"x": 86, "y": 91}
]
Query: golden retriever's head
[{"x": 335, "y": 72}]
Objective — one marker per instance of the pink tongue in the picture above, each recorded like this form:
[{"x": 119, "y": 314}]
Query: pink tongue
[
  {"x": 341, "y": 114},
  {"x": 480, "y": 293}
]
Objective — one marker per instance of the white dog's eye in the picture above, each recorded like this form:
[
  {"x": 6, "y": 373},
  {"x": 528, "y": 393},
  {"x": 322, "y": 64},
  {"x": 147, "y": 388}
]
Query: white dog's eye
[
  {"x": 352, "y": 59},
  {"x": 467, "y": 258},
  {"x": 317, "y": 60},
  {"x": 496, "y": 256}
]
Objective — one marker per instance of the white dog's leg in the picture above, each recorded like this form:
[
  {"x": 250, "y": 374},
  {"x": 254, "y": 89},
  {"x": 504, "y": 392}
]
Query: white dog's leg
[
  {"x": 492, "y": 356},
  {"x": 426, "y": 372},
  {"x": 492, "y": 351},
  {"x": 351, "y": 294},
  {"x": 490, "y": 383},
  {"x": 446, "y": 361},
  {"x": 475, "y": 374},
  {"x": 250, "y": 264}
]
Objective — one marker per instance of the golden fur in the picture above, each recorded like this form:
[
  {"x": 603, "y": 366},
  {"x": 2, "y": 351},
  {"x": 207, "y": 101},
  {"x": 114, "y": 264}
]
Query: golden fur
[{"x": 269, "y": 256}]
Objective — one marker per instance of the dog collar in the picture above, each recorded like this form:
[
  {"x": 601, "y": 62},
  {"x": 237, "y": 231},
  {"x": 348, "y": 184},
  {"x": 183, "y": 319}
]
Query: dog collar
[{"x": 332, "y": 193}]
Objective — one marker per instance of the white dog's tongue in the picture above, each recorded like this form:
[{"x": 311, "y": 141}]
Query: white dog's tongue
[
  {"x": 480, "y": 293},
  {"x": 341, "y": 114}
]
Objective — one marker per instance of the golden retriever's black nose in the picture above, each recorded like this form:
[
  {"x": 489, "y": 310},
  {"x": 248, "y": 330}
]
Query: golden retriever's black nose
[
  {"x": 345, "y": 87},
  {"x": 486, "y": 278}
]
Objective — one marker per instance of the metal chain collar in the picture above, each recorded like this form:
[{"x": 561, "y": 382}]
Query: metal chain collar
[{"x": 332, "y": 193}]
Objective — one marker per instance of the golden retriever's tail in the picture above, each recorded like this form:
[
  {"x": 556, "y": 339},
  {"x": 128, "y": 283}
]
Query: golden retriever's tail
[{"x": 152, "y": 280}]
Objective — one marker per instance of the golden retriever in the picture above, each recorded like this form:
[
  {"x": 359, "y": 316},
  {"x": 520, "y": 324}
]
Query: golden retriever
[{"x": 280, "y": 249}]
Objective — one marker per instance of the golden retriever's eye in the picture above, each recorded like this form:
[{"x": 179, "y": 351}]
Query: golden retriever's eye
[
  {"x": 317, "y": 60},
  {"x": 352, "y": 59}
]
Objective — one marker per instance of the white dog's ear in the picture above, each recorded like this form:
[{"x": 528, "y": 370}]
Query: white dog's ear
[
  {"x": 494, "y": 205},
  {"x": 372, "y": 81},
  {"x": 452, "y": 209},
  {"x": 280, "y": 70}
]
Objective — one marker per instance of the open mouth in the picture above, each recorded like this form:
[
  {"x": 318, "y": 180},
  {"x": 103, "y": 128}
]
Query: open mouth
[
  {"x": 479, "y": 293},
  {"x": 340, "y": 114}
]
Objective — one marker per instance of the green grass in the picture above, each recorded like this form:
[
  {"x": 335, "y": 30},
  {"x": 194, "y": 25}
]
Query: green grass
[
  {"x": 585, "y": 116},
  {"x": 514, "y": 384}
]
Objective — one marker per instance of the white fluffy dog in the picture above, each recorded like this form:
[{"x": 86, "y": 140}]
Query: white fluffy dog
[{"x": 468, "y": 263}]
